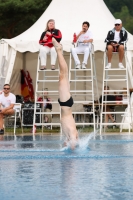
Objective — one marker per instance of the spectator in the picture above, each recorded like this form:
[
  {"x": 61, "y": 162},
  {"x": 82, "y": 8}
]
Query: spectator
[
  {"x": 7, "y": 101},
  {"x": 46, "y": 45},
  {"x": 115, "y": 43},
  {"x": 84, "y": 39},
  {"x": 106, "y": 107},
  {"x": 47, "y": 107}
]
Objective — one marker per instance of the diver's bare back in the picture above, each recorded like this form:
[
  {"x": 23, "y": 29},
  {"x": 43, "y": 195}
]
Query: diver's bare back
[
  {"x": 68, "y": 123},
  {"x": 65, "y": 100}
]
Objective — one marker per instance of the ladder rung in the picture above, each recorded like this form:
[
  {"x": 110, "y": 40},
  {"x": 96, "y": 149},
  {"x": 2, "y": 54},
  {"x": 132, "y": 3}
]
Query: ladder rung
[
  {"x": 80, "y": 70},
  {"x": 50, "y": 113},
  {"x": 51, "y": 77},
  {"x": 48, "y": 70},
  {"x": 81, "y": 91},
  {"x": 115, "y": 91},
  {"x": 127, "y": 115},
  {"x": 41, "y": 102},
  {"x": 83, "y": 113},
  {"x": 115, "y": 79},
  {"x": 45, "y": 124},
  {"x": 122, "y": 112},
  {"x": 114, "y": 102},
  {"x": 83, "y": 102},
  {"x": 82, "y": 94},
  {"x": 81, "y": 80},
  {"x": 41, "y": 81},
  {"x": 103, "y": 123},
  {"x": 84, "y": 76},
  {"x": 115, "y": 69},
  {"x": 85, "y": 123},
  {"x": 116, "y": 75},
  {"x": 53, "y": 91}
]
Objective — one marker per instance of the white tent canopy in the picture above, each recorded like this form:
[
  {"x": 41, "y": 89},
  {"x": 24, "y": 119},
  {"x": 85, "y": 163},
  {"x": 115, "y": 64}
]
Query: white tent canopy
[{"x": 69, "y": 16}]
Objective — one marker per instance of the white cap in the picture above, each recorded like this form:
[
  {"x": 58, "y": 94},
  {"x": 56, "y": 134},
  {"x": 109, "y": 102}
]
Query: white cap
[{"x": 118, "y": 21}]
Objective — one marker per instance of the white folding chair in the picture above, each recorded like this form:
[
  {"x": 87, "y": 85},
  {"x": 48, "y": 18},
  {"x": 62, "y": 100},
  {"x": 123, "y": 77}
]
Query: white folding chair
[
  {"x": 16, "y": 115},
  {"x": 17, "y": 108}
]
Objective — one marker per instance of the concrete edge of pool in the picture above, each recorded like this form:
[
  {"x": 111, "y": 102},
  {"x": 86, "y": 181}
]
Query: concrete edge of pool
[{"x": 58, "y": 134}]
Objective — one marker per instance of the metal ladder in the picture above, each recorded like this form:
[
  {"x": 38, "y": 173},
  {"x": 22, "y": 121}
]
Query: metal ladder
[
  {"x": 108, "y": 77},
  {"x": 84, "y": 95},
  {"x": 130, "y": 108},
  {"x": 46, "y": 78}
]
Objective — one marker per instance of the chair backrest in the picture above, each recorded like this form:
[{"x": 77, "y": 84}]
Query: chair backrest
[
  {"x": 91, "y": 46},
  {"x": 17, "y": 107}
]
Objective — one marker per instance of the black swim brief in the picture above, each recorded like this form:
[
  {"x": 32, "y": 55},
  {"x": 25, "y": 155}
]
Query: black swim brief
[
  {"x": 68, "y": 103},
  {"x": 115, "y": 49}
]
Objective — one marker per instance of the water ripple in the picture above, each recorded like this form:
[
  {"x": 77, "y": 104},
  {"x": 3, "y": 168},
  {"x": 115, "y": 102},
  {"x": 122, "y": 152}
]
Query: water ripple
[{"x": 30, "y": 157}]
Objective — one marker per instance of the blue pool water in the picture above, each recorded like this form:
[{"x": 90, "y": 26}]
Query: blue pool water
[{"x": 39, "y": 169}]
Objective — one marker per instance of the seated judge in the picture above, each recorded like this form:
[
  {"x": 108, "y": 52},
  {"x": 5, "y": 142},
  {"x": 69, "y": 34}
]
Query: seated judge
[
  {"x": 115, "y": 43},
  {"x": 84, "y": 39},
  {"x": 46, "y": 45},
  {"x": 7, "y": 101}
]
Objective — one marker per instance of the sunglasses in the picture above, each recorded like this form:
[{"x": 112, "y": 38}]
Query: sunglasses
[
  {"x": 117, "y": 24},
  {"x": 6, "y": 88}
]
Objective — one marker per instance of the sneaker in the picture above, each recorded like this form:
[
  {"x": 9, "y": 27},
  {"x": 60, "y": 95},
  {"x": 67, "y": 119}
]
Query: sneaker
[
  {"x": 121, "y": 66},
  {"x": 78, "y": 66},
  {"x": 1, "y": 131},
  {"x": 43, "y": 68},
  {"x": 108, "y": 66},
  {"x": 53, "y": 67},
  {"x": 83, "y": 66}
]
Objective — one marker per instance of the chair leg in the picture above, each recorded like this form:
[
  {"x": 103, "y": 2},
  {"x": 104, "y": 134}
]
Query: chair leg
[
  {"x": 21, "y": 123},
  {"x": 15, "y": 124},
  {"x": 97, "y": 123}
]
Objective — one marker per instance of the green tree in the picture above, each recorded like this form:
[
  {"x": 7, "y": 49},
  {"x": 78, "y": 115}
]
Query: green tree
[
  {"x": 126, "y": 18},
  {"x": 122, "y": 10},
  {"x": 16, "y": 16},
  {"x": 116, "y": 5}
]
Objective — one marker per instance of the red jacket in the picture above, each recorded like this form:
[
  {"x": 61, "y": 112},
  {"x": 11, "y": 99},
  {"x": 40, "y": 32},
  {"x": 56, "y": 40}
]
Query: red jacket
[
  {"x": 48, "y": 105},
  {"x": 46, "y": 40}
]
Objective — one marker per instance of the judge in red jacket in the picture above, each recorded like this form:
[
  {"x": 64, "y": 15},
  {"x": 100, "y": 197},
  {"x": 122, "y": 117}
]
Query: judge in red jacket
[{"x": 46, "y": 45}]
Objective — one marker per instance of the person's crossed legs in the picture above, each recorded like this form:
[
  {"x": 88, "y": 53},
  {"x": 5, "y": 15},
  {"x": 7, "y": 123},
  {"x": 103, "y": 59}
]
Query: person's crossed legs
[{"x": 2, "y": 115}]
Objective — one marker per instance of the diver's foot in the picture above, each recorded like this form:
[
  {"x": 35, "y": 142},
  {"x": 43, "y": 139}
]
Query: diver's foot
[{"x": 56, "y": 45}]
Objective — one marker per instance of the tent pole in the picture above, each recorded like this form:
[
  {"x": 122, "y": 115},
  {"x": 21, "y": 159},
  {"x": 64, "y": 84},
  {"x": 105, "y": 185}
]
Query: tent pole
[
  {"x": 24, "y": 61},
  {"x": 10, "y": 66}
]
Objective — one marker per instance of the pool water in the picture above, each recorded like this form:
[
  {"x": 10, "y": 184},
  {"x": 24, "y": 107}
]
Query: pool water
[{"x": 40, "y": 169}]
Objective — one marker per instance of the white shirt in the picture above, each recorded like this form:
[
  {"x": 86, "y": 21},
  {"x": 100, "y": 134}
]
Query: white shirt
[
  {"x": 7, "y": 101},
  {"x": 44, "y": 103},
  {"x": 86, "y": 36},
  {"x": 117, "y": 36}
]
